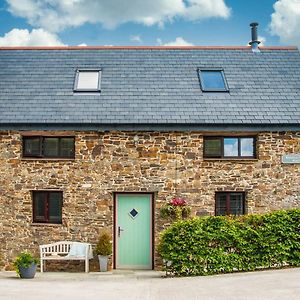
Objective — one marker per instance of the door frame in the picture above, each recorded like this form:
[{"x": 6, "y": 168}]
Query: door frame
[{"x": 152, "y": 225}]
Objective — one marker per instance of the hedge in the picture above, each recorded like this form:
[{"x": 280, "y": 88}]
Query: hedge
[{"x": 223, "y": 244}]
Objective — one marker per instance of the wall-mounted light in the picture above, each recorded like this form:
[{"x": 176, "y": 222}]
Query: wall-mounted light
[{"x": 136, "y": 139}]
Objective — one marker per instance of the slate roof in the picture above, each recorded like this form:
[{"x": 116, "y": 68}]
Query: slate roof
[{"x": 150, "y": 87}]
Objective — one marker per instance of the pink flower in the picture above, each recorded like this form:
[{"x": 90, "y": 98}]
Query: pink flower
[{"x": 178, "y": 202}]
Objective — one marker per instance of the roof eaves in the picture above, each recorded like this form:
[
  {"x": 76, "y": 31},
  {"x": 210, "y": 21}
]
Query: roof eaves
[
  {"x": 147, "y": 48},
  {"x": 152, "y": 127}
]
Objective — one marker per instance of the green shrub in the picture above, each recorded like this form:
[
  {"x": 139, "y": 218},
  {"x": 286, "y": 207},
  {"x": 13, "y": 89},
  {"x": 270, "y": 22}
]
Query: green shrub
[
  {"x": 25, "y": 260},
  {"x": 104, "y": 246},
  {"x": 212, "y": 245}
]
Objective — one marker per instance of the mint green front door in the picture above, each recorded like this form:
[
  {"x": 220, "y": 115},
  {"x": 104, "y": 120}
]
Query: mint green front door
[{"x": 133, "y": 230}]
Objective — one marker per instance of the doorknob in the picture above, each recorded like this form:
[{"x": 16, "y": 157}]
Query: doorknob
[{"x": 119, "y": 231}]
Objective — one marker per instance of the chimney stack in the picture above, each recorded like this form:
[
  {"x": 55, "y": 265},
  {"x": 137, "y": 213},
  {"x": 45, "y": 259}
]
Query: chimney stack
[{"x": 254, "y": 42}]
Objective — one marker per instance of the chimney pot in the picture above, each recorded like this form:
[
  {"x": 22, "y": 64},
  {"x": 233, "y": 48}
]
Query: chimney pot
[{"x": 254, "y": 39}]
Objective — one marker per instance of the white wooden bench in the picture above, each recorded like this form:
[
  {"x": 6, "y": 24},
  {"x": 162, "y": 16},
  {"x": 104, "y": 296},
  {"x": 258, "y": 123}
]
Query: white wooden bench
[{"x": 66, "y": 251}]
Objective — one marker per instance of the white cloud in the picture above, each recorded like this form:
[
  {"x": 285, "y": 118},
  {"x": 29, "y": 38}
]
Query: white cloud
[
  {"x": 22, "y": 37},
  {"x": 262, "y": 40},
  {"x": 285, "y": 21},
  {"x": 82, "y": 45},
  {"x": 205, "y": 9},
  {"x": 55, "y": 15},
  {"x": 159, "y": 41},
  {"x": 136, "y": 38},
  {"x": 179, "y": 41}
]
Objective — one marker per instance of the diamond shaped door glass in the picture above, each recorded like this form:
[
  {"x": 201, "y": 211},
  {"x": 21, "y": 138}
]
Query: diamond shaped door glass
[{"x": 133, "y": 213}]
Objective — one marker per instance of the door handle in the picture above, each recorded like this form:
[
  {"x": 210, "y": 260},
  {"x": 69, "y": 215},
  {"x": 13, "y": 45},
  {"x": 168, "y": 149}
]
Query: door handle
[{"x": 119, "y": 231}]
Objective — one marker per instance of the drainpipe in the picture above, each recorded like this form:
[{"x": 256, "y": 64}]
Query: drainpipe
[{"x": 254, "y": 42}]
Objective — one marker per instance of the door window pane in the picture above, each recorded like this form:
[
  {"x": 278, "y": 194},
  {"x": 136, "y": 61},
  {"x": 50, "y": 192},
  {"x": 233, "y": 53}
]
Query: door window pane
[
  {"x": 247, "y": 147},
  {"x": 231, "y": 147},
  {"x": 51, "y": 147}
]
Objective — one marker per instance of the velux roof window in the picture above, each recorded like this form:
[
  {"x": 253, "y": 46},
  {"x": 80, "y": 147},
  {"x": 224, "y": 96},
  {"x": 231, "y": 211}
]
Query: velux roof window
[
  {"x": 87, "y": 80},
  {"x": 213, "y": 80}
]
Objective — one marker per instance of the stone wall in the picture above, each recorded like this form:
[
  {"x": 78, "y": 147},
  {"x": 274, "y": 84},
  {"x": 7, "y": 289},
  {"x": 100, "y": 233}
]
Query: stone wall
[{"x": 165, "y": 163}]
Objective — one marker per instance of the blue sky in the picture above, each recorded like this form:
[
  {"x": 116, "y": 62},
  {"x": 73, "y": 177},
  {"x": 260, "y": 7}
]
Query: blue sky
[{"x": 147, "y": 22}]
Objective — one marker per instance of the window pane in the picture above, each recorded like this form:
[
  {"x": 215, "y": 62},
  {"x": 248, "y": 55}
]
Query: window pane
[
  {"x": 212, "y": 80},
  {"x": 55, "y": 205},
  {"x": 88, "y": 80},
  {"x": 231, "y": 147},
  {"x": 247, "y": 147},
  {"x": 51, "y": 147},
  {"x": 236, "y": 204},
  {"x": 67, "y": 147},
  {"x": 39, "y": 207},
  {"x": 212, "y": 147},
  {"x": 221, "y": 205},
  {"x": 31, "y": 146}
]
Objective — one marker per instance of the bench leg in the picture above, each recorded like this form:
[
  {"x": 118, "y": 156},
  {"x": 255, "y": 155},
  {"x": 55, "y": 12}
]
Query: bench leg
[
  {"x": 86, "y": 265},
  {"x": 42, "y": 266}
]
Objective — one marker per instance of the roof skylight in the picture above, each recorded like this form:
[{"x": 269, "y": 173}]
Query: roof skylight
[
  {"x": 87, "y": 81},
  {"x": 212, "y": 80}
]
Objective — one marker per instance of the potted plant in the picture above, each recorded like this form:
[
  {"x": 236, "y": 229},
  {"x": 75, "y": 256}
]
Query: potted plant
[
  {"x": 25, "y": 265},
  {"x": 103, "y": 250},
  {"x": 176, "y": 209}
]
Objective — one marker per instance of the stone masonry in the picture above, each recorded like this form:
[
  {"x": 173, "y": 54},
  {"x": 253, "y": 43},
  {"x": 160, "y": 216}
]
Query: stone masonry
[{"x": 164, "y": 163}]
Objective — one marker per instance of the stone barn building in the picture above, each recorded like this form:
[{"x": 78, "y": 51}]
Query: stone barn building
[{"x": 102, "y": 137}]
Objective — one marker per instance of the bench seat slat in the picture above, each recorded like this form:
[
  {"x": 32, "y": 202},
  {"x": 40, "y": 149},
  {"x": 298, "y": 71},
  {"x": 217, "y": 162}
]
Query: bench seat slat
[{"x": 64, "y": 258}]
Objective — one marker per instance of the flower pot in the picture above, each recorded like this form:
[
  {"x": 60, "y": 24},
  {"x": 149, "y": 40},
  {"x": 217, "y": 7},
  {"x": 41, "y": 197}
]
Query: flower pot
[
  {"x": 28, "y": 272},
  {"x": 103, "y": 262}
]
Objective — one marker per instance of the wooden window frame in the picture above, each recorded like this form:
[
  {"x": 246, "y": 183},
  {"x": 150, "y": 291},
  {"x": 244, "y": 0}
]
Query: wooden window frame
[
  {"x": 228, "y": 194},
  {"x": 42, "y": 142},
  {"x": 77, "y": 90},
  {"x": 222, "y": 156},
  {"x": 46, "y": 211}
]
